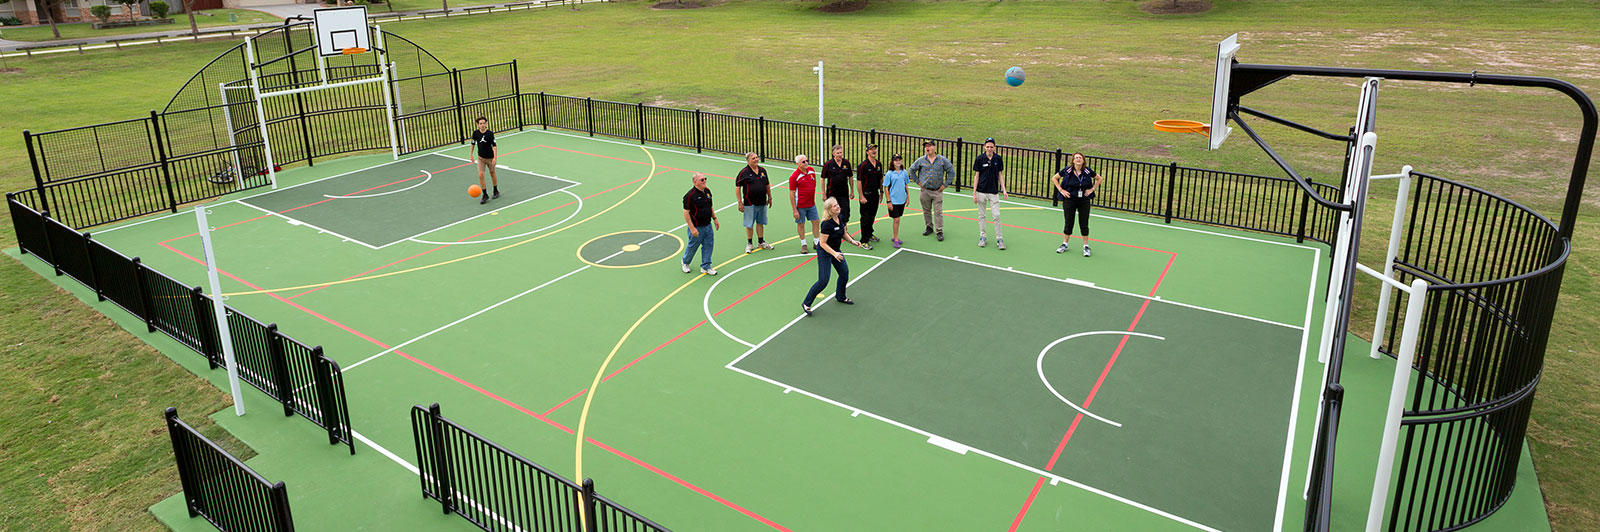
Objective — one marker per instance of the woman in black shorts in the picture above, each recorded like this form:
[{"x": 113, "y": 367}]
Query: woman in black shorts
[
  {"x": 894, "y": 193},
  {"x": 1076, "y": 184},
  {"x": 830, "y": 258}
]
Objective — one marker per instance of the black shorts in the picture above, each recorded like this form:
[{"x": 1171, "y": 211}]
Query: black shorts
[{"x": 896, "y": 210}]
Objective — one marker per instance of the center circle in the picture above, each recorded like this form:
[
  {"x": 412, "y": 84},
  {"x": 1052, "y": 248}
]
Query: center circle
[{"x": 630, "y": 249}]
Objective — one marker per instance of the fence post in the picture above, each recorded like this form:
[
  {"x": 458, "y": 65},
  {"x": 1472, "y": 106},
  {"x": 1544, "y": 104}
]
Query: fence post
[
  {"x": 49, "y": 247},
  {"x": 698, "y": 147},
  {"x": 544, "y": 118},
  {"x": 455, "y": 92},
  {"x": 588, "y": 111},
  {"x": 516, "y": 88},
  {"x": 641, "y": 123},
  {"x": 161, "y": 153},
  {"x": 1305, "y": 205},
  {"x": 961, "y": 148},
  {"x": 588, "y": 506},
  {"x": 94, "y": 281},
  {"x": 280, "y": 369},
  {"x": 1172, "y": 184},
  {"x": 144, "y": 295},
  {"x": 325, "y": 399},
  {"x": 208, "y": 343},
  {"x": 38, "y": 179},
  {"x": 280, "y": 508},
  {"x": 761, "y": 131},
  {"x": 445, "y": 480},
  {"x": 1055, "y": 197},
  {"x": 180, "y": 453}
]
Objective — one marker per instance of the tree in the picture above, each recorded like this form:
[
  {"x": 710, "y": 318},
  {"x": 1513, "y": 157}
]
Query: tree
[
  {"x": 45, "y": 6},
  {"x": 194, "y": 29}
]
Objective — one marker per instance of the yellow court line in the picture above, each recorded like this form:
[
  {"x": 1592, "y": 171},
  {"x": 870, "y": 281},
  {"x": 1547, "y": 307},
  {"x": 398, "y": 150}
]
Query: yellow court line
[{"x": 636, "y": 191}]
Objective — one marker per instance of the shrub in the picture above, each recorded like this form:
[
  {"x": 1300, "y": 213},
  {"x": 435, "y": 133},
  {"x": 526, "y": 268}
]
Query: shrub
[
  {"x": 10, "y": 21},
  {"x": 101, "y": 12},
  {"x": 159, "y": 8}
]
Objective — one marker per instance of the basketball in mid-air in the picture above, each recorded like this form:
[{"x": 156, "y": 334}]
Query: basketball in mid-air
[{"x": 1015, "y": 76}]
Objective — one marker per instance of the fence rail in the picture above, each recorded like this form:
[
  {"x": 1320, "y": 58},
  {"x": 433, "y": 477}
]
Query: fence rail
[
  {"x": 497, "y": 490},
  {"x": 220, "y": 488}
]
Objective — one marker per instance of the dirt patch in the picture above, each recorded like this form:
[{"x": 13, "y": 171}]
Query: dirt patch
[
  {"x": 683, "y": 4},
  {"x": 843, "y": 6},
  {"x": 12, "y": 70},
  {"x": 1175, "y": 7}
]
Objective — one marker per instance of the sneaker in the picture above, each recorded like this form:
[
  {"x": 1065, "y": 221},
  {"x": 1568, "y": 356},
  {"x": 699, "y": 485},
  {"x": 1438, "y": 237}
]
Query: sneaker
[
  {"x": 982, "y": 240},
  {"x": 941, "y": 236},
  {"x": 804, "y": 249},
  {"x": 496, "y": 193},
  {"x": 685, "y": 267},
  {"x": 748, "y": 248},
  {"x": 866, "y": 246},
  {"x": 764, "y": 245},
  {"x": 483, "y": 198},
  {"x": 1062, "y": 249},
  {"x": 1085, "y": 250},
  {"x": 874, "y": 238},
  {"x": 1000, "y": 243},
  {"x": 708, "y": 271},
  {"x": 897, "y": 243},
  {"x": 928, "y": 231},
  {"x": 805, "y": 308},
  {"x": 846, "y": 301}
]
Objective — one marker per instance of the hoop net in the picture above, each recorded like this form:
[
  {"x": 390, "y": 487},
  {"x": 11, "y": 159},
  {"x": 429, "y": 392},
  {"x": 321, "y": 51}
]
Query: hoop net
[{"x": 1182, "y": 126}]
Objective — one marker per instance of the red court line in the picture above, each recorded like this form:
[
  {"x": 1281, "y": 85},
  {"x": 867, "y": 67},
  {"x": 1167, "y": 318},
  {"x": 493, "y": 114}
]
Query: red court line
[
  {"x": 1025, "y": 504},
  {"x": 629, "y": 160},
  {"x": 508, "y": 402}
]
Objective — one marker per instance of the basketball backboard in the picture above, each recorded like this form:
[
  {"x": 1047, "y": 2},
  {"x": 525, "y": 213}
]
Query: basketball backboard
[
  {"x": 340, "y": 29},
  {"x": 1219, "y": 90}
]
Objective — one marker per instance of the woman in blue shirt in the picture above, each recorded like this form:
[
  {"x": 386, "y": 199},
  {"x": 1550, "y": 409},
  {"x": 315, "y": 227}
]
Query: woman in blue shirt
[
  {"x": 1076, "y": 184},
  {"x": 894, "y": 192}
]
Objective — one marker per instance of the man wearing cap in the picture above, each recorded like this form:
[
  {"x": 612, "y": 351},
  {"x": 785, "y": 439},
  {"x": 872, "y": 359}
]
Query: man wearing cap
[
  {"x": 870, "y": 174},
  {"x": 989, "y": 185},
  {"x": 932, "y": 173}
]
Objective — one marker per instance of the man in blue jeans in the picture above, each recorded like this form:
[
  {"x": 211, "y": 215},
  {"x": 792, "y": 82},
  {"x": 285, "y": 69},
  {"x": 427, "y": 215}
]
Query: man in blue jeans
[{"x": 701, "y": 218}]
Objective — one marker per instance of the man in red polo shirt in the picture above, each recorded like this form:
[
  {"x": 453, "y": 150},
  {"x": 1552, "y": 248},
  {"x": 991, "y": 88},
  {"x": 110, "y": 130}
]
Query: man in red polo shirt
[{"x": 803, "y": 199}]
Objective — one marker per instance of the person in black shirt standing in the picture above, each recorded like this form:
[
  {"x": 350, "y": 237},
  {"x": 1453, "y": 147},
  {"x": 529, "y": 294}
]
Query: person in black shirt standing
[
  {"x": 837, "y": 173},
  {"x": 870, "y": 174},
  {"x": 701, "y": 218},
  {"x": 1076, "y": 184},
  {"x": 830, "y": 258},
  {"x": 989, "y": 185},
  {"x": 754, "y": 193},
  {"x": 485, "y": 154}
]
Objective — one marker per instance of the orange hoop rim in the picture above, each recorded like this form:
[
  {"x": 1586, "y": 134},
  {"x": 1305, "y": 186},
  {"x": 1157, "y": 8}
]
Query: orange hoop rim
[
  {"x": 354, "y": 51},
  {"x": 1182, "y": 126}
]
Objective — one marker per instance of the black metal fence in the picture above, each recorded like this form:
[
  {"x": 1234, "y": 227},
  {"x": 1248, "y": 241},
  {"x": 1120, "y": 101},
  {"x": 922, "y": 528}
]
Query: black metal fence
[
  {"x": 223, "y": 490},
  {"x": 497, "y": 490},
  {"x": 300, "y": 377}
]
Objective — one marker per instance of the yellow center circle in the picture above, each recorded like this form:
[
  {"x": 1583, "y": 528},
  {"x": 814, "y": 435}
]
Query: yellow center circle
[{"x": 631, "y": 248}]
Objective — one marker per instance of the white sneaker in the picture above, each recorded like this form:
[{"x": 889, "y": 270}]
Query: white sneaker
[
  {"x": 1062, "y": 249},
  {"x": 982, "y": 240},
  {"x": 765, "y": 245},
  {"x": 748, "y": 248},
  {"x": 686, "y": 266},
  {"x": 708, "y": 271},
  {"x": 1000, "y": 243},
  {"x": 1085, "y": 250}
]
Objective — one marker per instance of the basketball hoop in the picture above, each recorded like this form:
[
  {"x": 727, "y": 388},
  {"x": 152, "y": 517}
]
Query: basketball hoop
[
  {"x": 1183, "y": 126},
  {"x": 354, "y": 51}
]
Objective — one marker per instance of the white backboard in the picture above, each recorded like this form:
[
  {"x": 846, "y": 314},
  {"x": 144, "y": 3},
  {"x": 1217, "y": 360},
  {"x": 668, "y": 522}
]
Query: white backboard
[
  {"x": 339, "y": 28},
  {"x": 1219, "y": 90}
]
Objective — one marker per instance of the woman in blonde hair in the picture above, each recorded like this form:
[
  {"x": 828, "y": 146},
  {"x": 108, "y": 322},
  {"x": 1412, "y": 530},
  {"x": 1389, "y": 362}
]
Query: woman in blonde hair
[{"x": 830, "y": 258}]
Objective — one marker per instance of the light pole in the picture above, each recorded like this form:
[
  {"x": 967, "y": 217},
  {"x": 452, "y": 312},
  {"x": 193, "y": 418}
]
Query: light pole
[{"x": 822, "y": 143}]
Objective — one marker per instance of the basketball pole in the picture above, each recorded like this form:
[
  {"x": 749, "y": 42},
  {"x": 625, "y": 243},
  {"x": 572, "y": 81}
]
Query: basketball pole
[
  {"x": 387, "y": 70},
  {"x": 233, "y": 143},
  {"x": 261, "y": 110},
  {"x": 219, "y": 310}
]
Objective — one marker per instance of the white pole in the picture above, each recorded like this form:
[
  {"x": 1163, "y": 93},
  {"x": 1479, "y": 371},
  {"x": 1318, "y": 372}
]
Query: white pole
[
  {"x": 226, "y": 336},
  {"x": 233, "y": 144},
  {"x": 387, "y": 69},
  {"x": 822, "y": 142},
  {"x": 1415, "y": 299},
  {"x": 261, "y": 110},
  {"x": 1382, "y": 321}
]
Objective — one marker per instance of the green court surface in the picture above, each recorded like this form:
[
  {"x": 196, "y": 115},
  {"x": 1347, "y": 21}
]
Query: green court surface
[{"x": 956, "y": 394}]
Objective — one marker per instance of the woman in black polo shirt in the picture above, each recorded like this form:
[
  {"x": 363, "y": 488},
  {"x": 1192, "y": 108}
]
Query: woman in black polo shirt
[
  {"x": 1076, "y": 184},
  {"x": 830, "y": 258}
]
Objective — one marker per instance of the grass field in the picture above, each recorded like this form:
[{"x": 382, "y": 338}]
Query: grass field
[
  {"x": 77, "y": 30},
  {"x": 1098, "y": 96}
]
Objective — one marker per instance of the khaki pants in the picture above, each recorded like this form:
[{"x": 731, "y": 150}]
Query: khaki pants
[
  {"x": 933, "y": 209},
  {"x": 989, "y": 204}
]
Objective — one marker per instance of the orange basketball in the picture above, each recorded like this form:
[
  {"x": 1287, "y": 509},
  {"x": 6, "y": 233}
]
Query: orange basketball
[{"x": 474, "y": 191}]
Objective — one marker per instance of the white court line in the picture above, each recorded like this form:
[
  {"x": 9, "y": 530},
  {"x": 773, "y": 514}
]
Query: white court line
[
  {"x": 803, "y": 315},
  {"x": 1039, "y": 364},
  {"x": 1104, "y": 289},
  {"x": 425, "y": 181},
  {"x": 1012, "y": 202},
  {"x": 1299, "y": 378},
  {"x": 468, "y": 219},
  {"x": 518, "y": 235},
  {"x": 517, "y": 170},
  {"x": 260, "y": 193},
  {"x": 294, "y": 221},
  {"x": 705, "y": 304}
]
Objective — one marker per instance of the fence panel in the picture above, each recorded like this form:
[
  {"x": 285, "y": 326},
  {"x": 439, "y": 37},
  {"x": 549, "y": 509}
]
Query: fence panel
[
  {"x": 566, "y": 112},
  {"x": 223, "y": 490},
  {"x": 317, "y": 387},
  {"x": 97, "y": 149},
  {"x": 117, "y": 277},
  {"x": 730, "y": 134},
  {"x": 182, "y": 312},
  {"x": 69, "y": 250},
  {"x": 673, "y": 127},
  {"x": 616, "y": 119},
  {"x": 105, "y": 198},
  {"x": 29, "y": 225}
]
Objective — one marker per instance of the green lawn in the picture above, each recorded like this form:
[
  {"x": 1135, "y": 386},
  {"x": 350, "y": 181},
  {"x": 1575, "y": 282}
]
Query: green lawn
[
  {"x": 78, "y": 30},
  {"x": 935, "y": 68}
]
